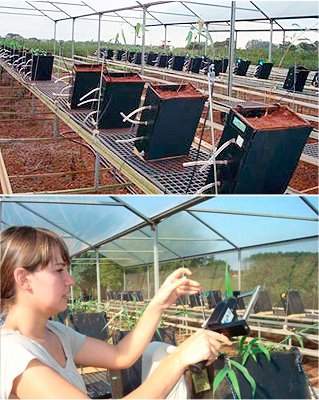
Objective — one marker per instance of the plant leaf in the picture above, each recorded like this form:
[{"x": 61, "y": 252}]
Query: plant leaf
[
  {"x": 234, "y": 381},
  {"x": 220, "y": 376},
  {"x": 228, "y": 288},
  {"x": 246, "y": 374},
  {"x": 264, "y": 350},
  {"x": 300, "y": 340}
]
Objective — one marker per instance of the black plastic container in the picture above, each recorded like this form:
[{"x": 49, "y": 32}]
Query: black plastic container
[
  {"x": 161, "y": 61},
  {"x": 220, "y": 66},
  {"x": 109, "y": 54},
  {"x": 269, "y": 140},
  {"x": 296, "y": 78},
  {"x": 282, "y": 377},
  {"x": 86, "y": 77},
  {"x": 241, "y": 67},
  {"x": 121, "y": 92},
  {"x": 292, "y": 302},
  {"x": 263, "y": 303},
  {"x": 206, "y": 63},
  {"x": 195, "y": 64},
  {"x": 194, "y": 300},
  {"x": 314, "y": 81},
  {"x": 213, "y": 297},
  {"x": 176, "y": 63},
  {"x": 263, "y": 70},
  {"x": 172, "y": 121},
  {"x": 42, "y": 67},
  {"x": 91, "y": 324},
  {"x": 118, "y": 54},
  {"x": 137, "y": 59},
  {"x": 150, "y": 58}
]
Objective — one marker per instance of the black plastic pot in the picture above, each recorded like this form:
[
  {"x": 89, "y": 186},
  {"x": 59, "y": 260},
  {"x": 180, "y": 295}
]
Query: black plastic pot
[
  {"x": 196, "y": 64},
  {"x": 281, "y": 378},
  {"x": 150, "y": 58},
  {"x": 121, "y": 92},
  {"x": 176, "y": 63},
  {"x": 42, "y": 67},
  {"x": 91, "y": 324},
  {"x": 213, "y": 297},
  {"x": 161, "y": 61},
  {"x": 172, "y": 121},
  {"x": 292, "y": 302},
  {"x": 137, "y": 59},
  {"x": 269, "y": 140},
  {"x": 86, "y": 77},
  {"x": 220, "y": 66},
  {"x": 119, "y": 54},
  {"x": 263, "y": 302},
  {"x": 296, "y": 78},
  {"x": 263, "y": 70},
  {"x": 241, "y": 67}
]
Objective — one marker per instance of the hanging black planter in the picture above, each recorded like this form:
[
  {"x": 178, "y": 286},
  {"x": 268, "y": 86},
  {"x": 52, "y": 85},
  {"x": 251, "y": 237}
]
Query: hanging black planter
[
  {"x": 171, "y": 122},
  {"x": 263, "y": 70},
  {"x": 121, "y": 92},
  {"x": 296, "y": 78},
  {"x": 42, "y": 67},
  {"x": 176, "y": 63},
  {"x": 241, "y": 67},
  {"x": 280, "y": 378},
  {"x": 150, "y": 58},
  {"x": 267, "y": 144},
  {"x": 86, "y": 77}
]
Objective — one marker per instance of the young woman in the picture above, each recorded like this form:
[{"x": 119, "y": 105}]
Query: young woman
[{"x": 39, "y": 356}]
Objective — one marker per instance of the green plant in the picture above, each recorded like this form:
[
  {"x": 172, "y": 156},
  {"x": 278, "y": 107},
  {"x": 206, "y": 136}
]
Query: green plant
[{"x": 228, "y": 373}]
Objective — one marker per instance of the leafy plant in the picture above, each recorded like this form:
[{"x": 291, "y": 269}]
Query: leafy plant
[
  {"x": 228, "y": 372},
  {"x": 251, "y": 349}
]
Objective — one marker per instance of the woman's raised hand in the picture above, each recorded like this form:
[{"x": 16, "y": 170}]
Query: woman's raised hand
[{"x": 175, "y": 285}]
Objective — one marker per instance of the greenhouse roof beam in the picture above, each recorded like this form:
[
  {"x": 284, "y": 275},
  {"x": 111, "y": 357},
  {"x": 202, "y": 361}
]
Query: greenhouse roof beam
[
  {"x": 144, "y": 7},
  {"x": 263, "y": 13},
  {"x": 60, "y": 9},
  {"x": 189, "y": 9},
  {"x": 238, "y": 20},
  {"x": 30, "y": 4},
  {"x": 311, "y": 206},
  {"x": 133, "y": 210},
  {"x": 251, "y": 214},
  {"x": 279, "y": 242},
  {"x": 124, "y": 19},
  {"x": 55, "y": 225},
  {"x": 213, "y": 230}
]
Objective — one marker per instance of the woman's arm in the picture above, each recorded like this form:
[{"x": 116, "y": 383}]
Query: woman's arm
[
  {"x": 203, "y": 345},
  {"x": 39, "y": 381},
  {"x": 99, "y": 354}
]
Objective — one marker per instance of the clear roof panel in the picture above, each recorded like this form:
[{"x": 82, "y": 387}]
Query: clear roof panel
[{"x": 210, "y": 225}]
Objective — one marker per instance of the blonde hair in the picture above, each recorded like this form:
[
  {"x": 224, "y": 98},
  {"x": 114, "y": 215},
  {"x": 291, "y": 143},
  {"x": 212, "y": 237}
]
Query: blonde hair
[{"x": 29, "y": 248}]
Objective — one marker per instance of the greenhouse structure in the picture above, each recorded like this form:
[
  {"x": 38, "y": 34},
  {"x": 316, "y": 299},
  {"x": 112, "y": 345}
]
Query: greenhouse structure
[{"x": 159, "y": 199}]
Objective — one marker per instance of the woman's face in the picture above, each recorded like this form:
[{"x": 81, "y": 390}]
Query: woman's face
[{"x": 51, "y": 285}]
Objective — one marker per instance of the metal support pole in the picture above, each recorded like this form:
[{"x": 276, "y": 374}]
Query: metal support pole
[
  {"x": 270, "y": 40},
  {"x": 143, "y": 41},
  {"x": 73, "y": 25},
  {"x": 148, "y": 283},
  {"x": 72, "y": 291},
  {"x": 55, "y": 126},
  {"x": 54, "y": 40},
  {"x": 283, "y": 38},
  {"x": 206, "y": 40},
  {"x": 99, "y": 38},
  {"x": 231, "y": 53},
  {"x": 124, "y": 280},
  {"x": 98, "y": 280},
  {"x": 97, "y": 172},
  {"x": 239, "y": 269},
  {"x": 156, "y": 260},
  {"x": 165, "y": 37}
]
